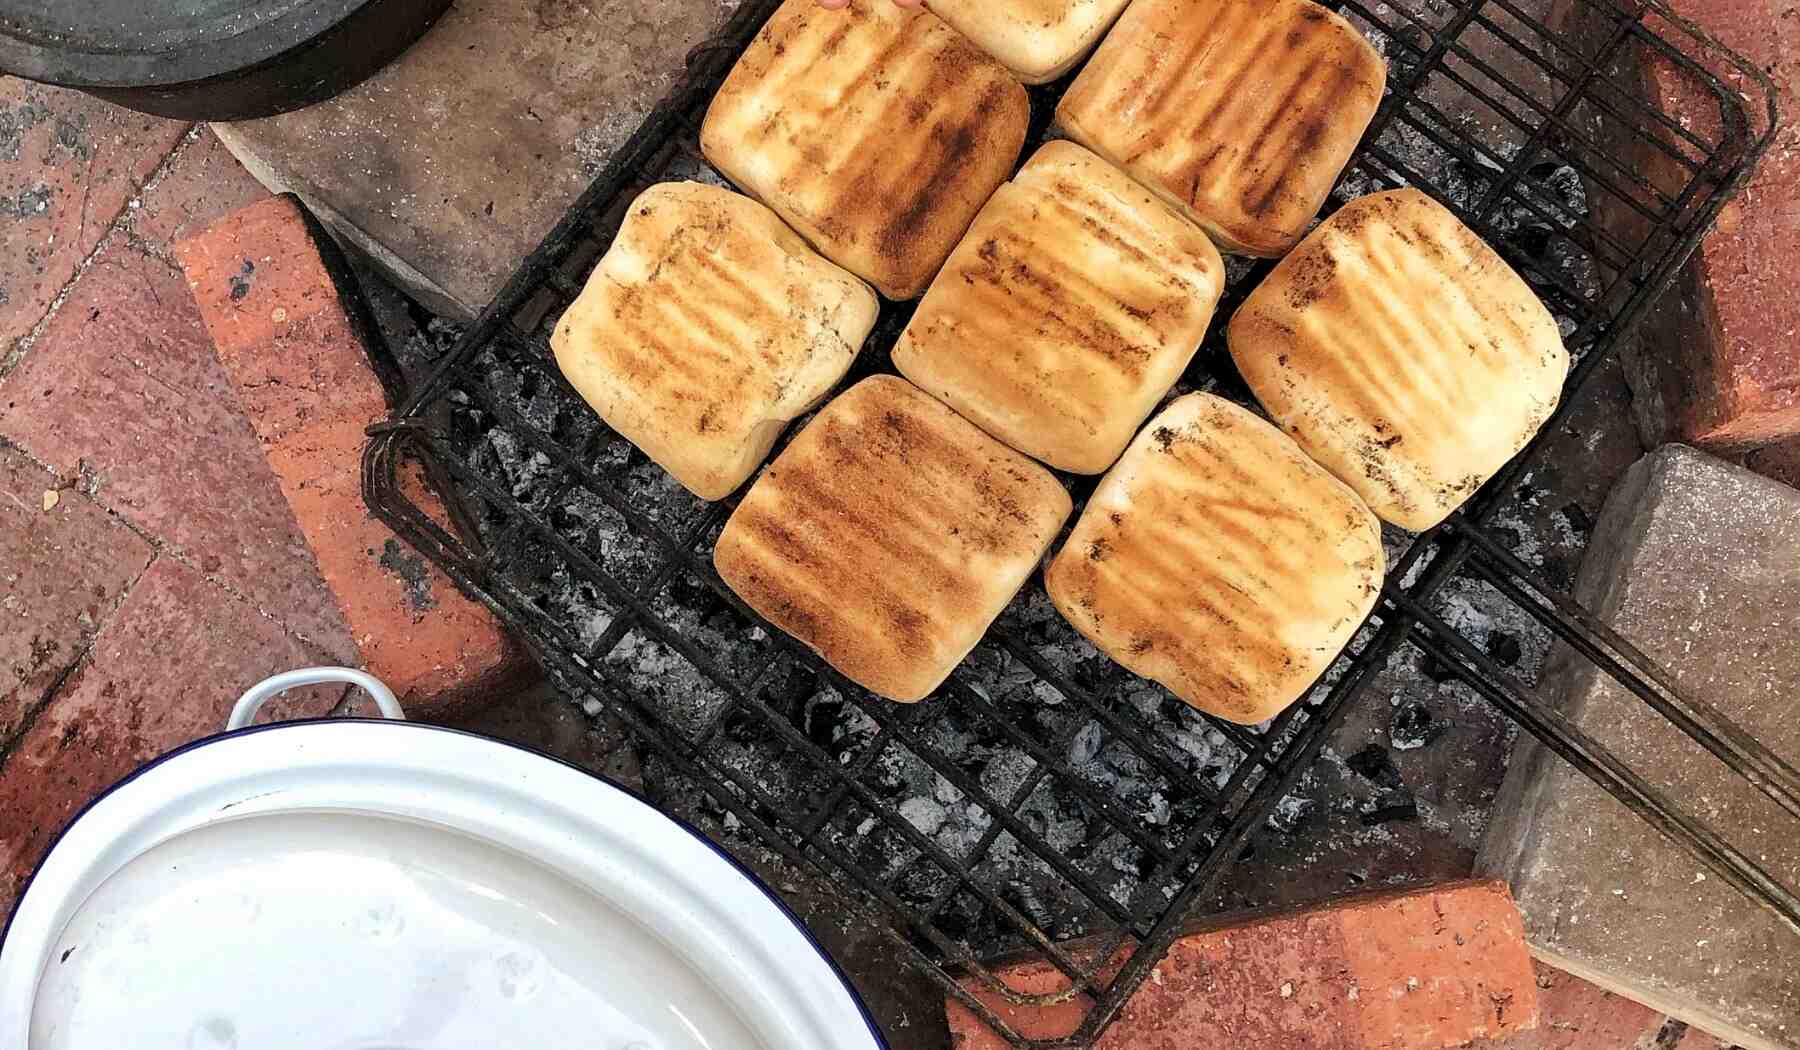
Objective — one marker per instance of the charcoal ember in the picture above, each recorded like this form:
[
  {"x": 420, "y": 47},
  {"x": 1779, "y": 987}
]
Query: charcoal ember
[
  {"x": 526, "y": 470},
  {"x": 1504, "y": 648},
  {"x": 692, "y": 594},
  {"x": 1412, "y": 726},
  {"x": 1575, "y": 518},
  {"x": 1558, "y": 182},
  {"x": 1405, "y": 49},
  {"x": 839, "y": 727},
  {"x": 788, "y": 688},
  {"x": 1389, "y": 808},
  {"x": 1373, "y": 763},
  {"x": 1086, "y": 745},
  {"x": 1290, "y": 813}
]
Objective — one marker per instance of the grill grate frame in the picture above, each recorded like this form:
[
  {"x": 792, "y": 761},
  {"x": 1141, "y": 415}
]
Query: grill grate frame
[{"x": 1495, "y": 139}]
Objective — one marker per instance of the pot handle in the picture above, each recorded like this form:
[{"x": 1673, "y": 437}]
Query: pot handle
[{"x": 244, "y": 711}]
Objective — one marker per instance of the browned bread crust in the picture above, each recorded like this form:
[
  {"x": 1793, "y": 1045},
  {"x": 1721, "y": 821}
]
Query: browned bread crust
[
  {"x": 1068, "y": 311},
  {"x": 1218, "y": 560},
  {"x": 708, "y": 327},
  {"x": 876, "y": 131},
  {"x": 1039, "y": 40},
  {"x": 889, "y": 535},
  {"x": 1402, "y": 353},
  {"x": 1241, "y": 112}
]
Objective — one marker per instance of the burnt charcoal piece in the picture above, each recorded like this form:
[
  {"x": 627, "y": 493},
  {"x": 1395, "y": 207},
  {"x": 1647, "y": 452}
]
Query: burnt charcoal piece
[
  {"x": 1504, "y": 648},
  {"x": 1290, "y": 813},
  {"x": 1580, "y": 522},
  {"x": 1374, "y": 763},
  {"x": 1389, "y": 808},
  {"x": 1412, "y": 726}
]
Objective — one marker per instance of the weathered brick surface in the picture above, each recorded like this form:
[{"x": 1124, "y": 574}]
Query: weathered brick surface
[
  {"x": 68, "y": 164},
  {"x": 1576, "y": 1015},
  {"x": 287, "y": 327},
  {"x": 124, "y": 395},
  {"x": 164, "y": 670},
  {"x": 62, "y": 569},
  {"x": 1697, "y": 562},
  {"x": 1417, "y": 970},
  {"x": 1719, "y": 366},
  {"x": 203, "y": 184}
]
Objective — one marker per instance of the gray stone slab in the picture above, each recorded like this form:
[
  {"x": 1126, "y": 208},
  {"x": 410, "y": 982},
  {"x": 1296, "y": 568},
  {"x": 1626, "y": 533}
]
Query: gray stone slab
[
  {"x": 450, "y": 165},
  {"x": 1698, "y": 562}
]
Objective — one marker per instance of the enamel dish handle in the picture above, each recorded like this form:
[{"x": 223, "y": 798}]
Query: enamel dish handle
[{"x": 244, "y": 711}]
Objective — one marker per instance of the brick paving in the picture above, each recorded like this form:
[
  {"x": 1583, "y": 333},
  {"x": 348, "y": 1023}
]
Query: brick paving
[
  {"x": 276, "y": 296},
  {"x": 1413, "y": 970},
  {"x": 157, "y": 541},
  {"x": 150, "y": 568}
]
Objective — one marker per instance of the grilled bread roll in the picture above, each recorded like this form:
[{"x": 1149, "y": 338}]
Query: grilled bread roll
[
  {"x": 1218, "y": 560},
  {"x": 888, "y": 535},
  {"x": 876, "y": 131},
  {"x": 1241, "y": 112},
  {"x": 1039, "y": 40},
  {"x": 706, "y": 329},
  {"x": 1070, "y": 308},
  {"x": 1402, "y": 353}
]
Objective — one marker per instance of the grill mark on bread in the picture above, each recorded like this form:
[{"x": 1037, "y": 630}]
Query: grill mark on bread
[
  {"x": 706, "y": 322},
  {"x": 1173, "y": 89},
  {"x": 1072, "y": 305},
  {"x": 1221, "y": 613},
  {"x": 1416, "y": 370},
  {"x": 888, "y": 535},
  {"x": 885, "y": 151}
]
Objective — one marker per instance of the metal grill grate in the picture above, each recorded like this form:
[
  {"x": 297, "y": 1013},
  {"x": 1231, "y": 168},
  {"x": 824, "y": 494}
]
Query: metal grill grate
[{"x": 602, "y": 566}]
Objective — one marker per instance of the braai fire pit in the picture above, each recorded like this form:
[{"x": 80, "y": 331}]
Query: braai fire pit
[{"x": 1045, "y": 793}]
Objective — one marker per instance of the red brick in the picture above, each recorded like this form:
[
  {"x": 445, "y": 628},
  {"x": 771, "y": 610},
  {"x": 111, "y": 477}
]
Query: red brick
[
  {"x": 204, "y": 184},
  {"x": 163, "y": 671},
  {"x": 68, "y": 164},
  {"x": 123, "y": 392},
  {"x": 284, "y": 320},
  {"x": 61, "y": 572},
  {"x": 1576, "y": 1015},
  {"x": 1695, "y": 1039},
  {"x": 1781, "y": 462},
  {"x": 1417, "y": 970},
  {"x": 1722, "y": 365}
]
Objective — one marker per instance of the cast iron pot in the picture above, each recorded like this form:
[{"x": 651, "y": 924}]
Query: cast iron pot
[{"x": 209, "y": 59}]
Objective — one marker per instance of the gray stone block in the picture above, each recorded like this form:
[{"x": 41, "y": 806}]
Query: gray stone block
[
  {"x": 450, "y": 165},
  {"x": 1697, "y": 562}
]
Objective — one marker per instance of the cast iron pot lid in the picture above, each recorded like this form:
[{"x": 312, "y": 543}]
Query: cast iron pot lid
[
  {"x": 371, "y": 885},
  {"x": 109, "y": 43}
]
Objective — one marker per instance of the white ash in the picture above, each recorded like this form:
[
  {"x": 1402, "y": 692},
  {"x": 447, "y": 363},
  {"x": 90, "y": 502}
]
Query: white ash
[
  {"x": 926, "y": 814},
  {"x": 1289, "y": 812}
]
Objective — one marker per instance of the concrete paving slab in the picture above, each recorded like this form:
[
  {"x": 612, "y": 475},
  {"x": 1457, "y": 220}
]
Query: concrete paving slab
[
  {"x": 451, "y": 164},
  {"x": 1698, "y": 562}
]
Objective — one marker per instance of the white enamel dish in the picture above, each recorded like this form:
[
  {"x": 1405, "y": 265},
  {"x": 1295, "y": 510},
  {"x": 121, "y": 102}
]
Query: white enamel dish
[{"x": 385, "y": 885}]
